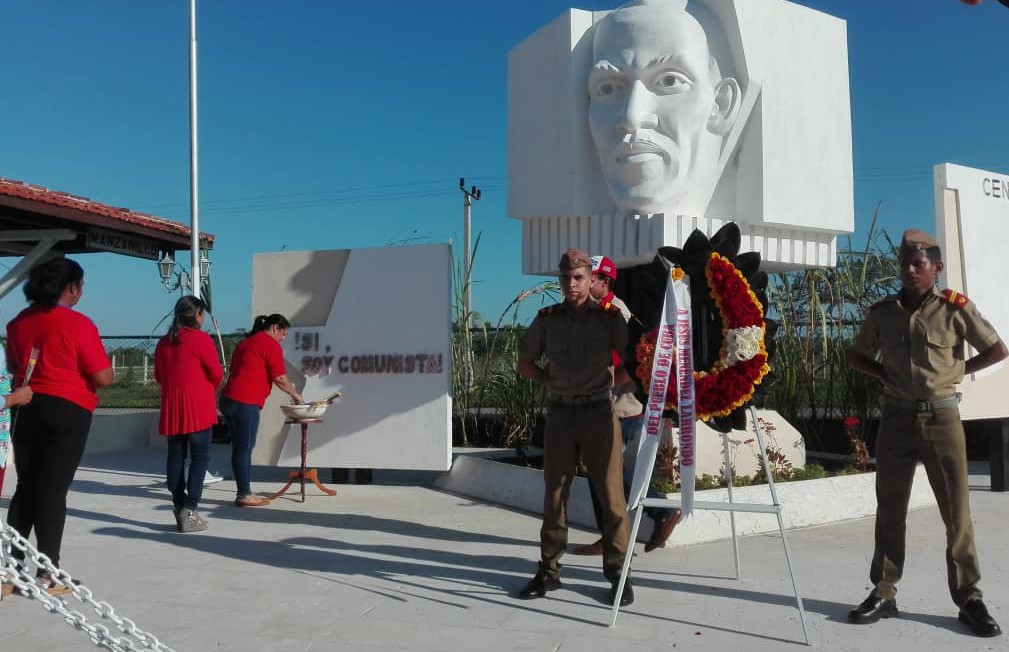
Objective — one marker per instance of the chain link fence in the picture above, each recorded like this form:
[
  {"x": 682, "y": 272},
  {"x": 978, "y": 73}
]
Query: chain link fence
[{"x": 132, "y": 359}]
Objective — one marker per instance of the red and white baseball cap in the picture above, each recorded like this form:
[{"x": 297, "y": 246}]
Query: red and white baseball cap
[{"x": 603, "y": 266}]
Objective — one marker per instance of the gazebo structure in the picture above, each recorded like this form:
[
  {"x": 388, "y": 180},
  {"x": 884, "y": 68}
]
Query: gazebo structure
[{"x": 36, "y": 222}]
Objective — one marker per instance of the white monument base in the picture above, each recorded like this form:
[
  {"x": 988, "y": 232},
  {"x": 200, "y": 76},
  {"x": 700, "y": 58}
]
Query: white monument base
[{"x": 633, "y": 240}]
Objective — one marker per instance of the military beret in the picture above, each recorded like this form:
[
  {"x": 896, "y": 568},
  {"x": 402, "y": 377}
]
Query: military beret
[
  {"x": 573, "y": 259},
  {"x": 916, "y": 240}
]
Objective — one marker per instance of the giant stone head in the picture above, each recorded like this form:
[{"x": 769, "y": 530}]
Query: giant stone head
[{"x": 659, "y": 108}]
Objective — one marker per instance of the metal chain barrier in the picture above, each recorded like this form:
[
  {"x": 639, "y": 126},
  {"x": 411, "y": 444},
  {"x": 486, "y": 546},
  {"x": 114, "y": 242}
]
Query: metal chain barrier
[{"x": 16, "y": 573}]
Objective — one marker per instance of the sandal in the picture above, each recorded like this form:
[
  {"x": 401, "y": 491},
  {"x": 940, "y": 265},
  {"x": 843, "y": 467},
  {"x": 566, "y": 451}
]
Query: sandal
[
  {"x": 252, "y": 500},
  {"x": 52, "y": 587}
]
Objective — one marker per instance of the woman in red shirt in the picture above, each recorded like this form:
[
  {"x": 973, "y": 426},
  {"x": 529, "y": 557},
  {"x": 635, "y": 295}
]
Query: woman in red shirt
[
  {"x": 187, "y": 368},
  {"x": 51, "y": 431},
  {"x": 256, "y": 366}
]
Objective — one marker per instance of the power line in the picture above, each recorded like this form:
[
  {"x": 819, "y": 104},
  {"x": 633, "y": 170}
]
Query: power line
[
  {"x": 325, "y": 202},
  {"x": 312, "y": 193}
]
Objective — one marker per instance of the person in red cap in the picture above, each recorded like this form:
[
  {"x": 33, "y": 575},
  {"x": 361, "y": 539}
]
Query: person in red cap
[
  {"x": 629, "y": 410},
  {"x": 577, "y": 339},
  {"x": 604, "y": 273},
  {"x": 913, "y": 342}
]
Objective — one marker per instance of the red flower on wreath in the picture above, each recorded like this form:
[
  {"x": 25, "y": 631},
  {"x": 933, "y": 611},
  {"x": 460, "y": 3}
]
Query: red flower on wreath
[{"x": 740, "y": 368}]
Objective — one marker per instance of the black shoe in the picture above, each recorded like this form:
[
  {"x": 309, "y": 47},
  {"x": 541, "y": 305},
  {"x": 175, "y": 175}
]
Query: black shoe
[
  {"x": 627, "y": 597},
  {"x": 975, "y": 615},
  {"x": 539, "y": 585},
  {"x": 872, "y": 609}
]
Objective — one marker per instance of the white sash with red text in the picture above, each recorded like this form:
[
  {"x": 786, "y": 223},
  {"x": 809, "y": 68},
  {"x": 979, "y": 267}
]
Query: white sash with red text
[
  {"x": 685, "y": 395},
  {"x": 673, "y": 362}
]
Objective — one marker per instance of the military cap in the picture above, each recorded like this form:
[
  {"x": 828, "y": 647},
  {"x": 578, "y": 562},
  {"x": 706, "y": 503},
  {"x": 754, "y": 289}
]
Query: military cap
[
  {"x": 916, "y": 240},
  {"x": 573, "y": 259}
]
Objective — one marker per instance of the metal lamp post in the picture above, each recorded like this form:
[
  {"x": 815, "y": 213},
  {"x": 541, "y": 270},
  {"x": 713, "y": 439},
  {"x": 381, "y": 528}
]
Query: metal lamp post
[{"x": 183, "y": 279}]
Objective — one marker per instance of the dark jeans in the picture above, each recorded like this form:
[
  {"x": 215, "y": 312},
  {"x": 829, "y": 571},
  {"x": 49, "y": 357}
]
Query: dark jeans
[
  {"x": 243, "y": 422},
  {"x": 186, "y": 491},
  {"x": 629, "y": 428},
  {"x": 48, "y": 445}
]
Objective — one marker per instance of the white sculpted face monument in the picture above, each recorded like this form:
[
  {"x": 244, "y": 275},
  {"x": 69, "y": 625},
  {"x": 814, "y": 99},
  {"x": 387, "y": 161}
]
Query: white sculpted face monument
[
  {"x": 630, "y": 128},
  {"x": 659, "y": 108}
]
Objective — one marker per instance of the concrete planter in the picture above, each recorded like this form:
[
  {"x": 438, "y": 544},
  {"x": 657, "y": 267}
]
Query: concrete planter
[
  {"x": 115, "y": 429},
  {"x": 805, "y": 503}
]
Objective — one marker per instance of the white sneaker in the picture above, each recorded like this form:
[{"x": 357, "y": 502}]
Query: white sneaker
[{"x": 210, "y": 478}]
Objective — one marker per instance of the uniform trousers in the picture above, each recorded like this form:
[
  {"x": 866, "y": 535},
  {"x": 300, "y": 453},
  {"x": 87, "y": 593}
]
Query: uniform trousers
[
  {"x": 589, "y": 432},
  {"x": 937, "y": 440}
]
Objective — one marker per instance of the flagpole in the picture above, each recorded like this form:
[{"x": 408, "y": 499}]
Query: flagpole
[{"x": 194, "y": 185}]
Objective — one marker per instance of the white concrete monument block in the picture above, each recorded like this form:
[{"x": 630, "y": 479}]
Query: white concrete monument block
[
  {"x": 374, "y": 324},
  {"x": 630, "y": 128},
  {"x": 972, "y": 223}
]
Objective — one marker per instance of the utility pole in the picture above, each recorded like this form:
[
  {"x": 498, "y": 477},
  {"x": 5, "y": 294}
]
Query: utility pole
[{"x": 469, "y": 196}]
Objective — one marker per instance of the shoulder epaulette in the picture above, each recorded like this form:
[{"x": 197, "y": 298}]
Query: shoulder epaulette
[
  {"x": 549, "y": 310},
  {"x": 609, "y": 308},
  {"x": 888, "y": 299},
  {"x": 954, "y": 298}
]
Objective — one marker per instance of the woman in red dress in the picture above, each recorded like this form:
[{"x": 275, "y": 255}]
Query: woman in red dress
[{"x": 187, "y": 368}]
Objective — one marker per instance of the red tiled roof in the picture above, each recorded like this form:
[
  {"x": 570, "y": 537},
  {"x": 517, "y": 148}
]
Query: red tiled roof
[{"x": 31, "y": 192}]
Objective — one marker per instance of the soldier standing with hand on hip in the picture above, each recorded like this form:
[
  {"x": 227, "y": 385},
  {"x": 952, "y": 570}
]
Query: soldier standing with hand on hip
[
  {"x": 577, "y": 339},
  {"x": 913, "y": 343}
]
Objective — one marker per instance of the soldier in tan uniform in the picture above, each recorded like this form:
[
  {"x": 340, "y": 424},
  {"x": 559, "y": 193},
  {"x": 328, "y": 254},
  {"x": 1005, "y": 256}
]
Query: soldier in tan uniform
[
  {"x": 574, "y": 341},
  {"x": 913, "y": 342}
]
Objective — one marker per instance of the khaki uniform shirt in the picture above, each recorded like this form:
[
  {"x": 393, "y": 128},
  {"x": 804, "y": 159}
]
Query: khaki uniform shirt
[
  {"x": 922, "y": 350},
  {"x": 578, "y": 346}
]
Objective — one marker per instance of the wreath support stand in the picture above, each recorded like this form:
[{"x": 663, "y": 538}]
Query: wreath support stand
[
  {"x": 718, "y": 506},
  {"x": 729, "y": 289}
]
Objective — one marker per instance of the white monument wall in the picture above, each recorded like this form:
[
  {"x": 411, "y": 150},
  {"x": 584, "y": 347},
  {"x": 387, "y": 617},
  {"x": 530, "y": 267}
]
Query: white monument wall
[
  {"x": 972, "y": 225},
  {"x": 347, "y": 308}
]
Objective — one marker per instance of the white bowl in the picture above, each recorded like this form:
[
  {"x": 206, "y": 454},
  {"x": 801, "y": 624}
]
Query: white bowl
[{"x": 303, "y": 411}]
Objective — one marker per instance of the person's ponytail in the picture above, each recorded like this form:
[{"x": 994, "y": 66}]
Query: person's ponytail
[
  {"x": 263, "y": 322},
  {"x": 187, "y": 309}
]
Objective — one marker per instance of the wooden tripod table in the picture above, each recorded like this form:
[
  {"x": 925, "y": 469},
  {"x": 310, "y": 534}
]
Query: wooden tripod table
[{"x": 305, "y": 473}]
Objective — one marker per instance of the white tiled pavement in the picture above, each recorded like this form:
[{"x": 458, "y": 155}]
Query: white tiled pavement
[{"x": 398, "y": 565}]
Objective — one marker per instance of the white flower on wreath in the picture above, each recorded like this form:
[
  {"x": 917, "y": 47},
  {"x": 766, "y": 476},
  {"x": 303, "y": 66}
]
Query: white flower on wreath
[{"x": 743, "y": 343}]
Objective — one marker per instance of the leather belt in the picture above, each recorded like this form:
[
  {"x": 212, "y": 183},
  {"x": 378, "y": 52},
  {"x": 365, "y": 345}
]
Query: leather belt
[
  {"x": 581, "y": 399},
  {"x": 923, "y": 405}
]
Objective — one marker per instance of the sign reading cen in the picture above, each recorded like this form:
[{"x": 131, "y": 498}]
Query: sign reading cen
[{"x": 120, "y": 243}]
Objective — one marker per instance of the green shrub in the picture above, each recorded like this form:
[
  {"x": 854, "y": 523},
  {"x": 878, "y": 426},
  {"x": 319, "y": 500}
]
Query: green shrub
[{"x": 813, "y": 471}]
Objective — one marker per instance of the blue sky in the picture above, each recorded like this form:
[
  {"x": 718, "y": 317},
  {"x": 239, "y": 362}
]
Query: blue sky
[{"x": 342, "y": 124}]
